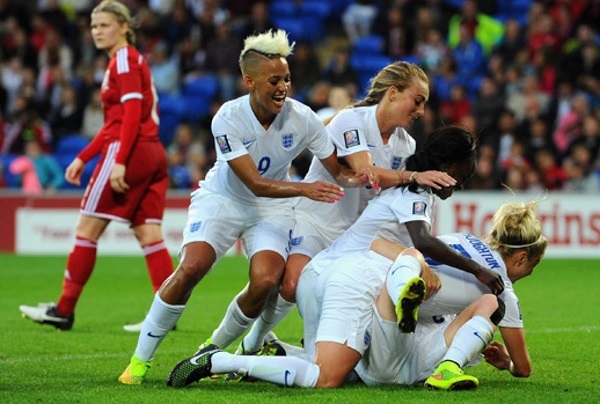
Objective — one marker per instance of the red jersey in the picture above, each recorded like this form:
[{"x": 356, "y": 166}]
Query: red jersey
[{"x": 128, "y": 77}]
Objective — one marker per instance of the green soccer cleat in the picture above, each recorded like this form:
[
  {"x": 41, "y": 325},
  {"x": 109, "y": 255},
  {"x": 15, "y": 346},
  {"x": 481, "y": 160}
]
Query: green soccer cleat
[
  {"x": 194, "y": 368},
  {"x": 407, "y": 306},
  {"x": 135, "y": 373},
  {"x": 449, "y": 376}
]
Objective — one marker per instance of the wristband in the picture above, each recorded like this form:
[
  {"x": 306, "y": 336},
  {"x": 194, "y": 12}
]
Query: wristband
[{"x": 412, "y": 177}]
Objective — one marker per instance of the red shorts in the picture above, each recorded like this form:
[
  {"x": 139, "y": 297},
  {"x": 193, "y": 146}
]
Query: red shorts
[{"x": 147, "y": 177}]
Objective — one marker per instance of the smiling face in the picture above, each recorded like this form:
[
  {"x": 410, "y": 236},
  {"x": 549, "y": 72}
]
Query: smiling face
[
  {"x": 268, "y": 85},
  {"x": 409, "y": 105},
  {"x": 107, "y": 33}
]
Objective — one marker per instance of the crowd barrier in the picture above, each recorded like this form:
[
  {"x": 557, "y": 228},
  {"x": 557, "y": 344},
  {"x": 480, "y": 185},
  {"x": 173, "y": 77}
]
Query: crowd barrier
[{"x": 45, "y": 225}]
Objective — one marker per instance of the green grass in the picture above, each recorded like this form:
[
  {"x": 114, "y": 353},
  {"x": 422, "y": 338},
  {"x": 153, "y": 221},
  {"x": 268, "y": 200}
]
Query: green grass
[{"x": 38, "y": 364}]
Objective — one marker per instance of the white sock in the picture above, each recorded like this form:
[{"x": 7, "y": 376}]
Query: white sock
[
  {"x": 470, "y": 340},
  {"x": 276, "y": 310},
  {"x": 160, "y": 320},
  {"x": 402, "y": 270},
  {"x": 282, "y": 370},
  {"x": 295, "y": 351},
  {"x": 233, "y": 326}
]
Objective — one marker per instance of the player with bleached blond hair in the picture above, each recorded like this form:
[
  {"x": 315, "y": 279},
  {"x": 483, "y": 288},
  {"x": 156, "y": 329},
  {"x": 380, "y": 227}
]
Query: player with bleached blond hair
[{"x": 248, "y": 195}]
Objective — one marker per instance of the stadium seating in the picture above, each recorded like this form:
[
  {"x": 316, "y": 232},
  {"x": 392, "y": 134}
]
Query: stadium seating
[
  {"x": 12, "y": 180},
  {"x": 71, "y": 144}
]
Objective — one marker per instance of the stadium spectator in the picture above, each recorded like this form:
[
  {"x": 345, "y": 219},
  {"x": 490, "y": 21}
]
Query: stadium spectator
[
  {"x": 357, "y": 19},
  {"x": 221, "y": 59},
  {"x": 554, "y": 175},
  {"x": 66, "y": 118},
  {"x": 93, "y": 115},
  {"x": 127, "y": 185},
  {"x": 164, "y": 67},
  {"x": 338, "y": 70},
  {"x": 39, "y": 171},
  {"x": 485, "y": 30},
  {"x": 247, "y": 194},
  {"x": 258, "y": 21},
  {"x": 24, "y": 123},
  {"x": 459, "y": 106},
  {"x": 307, "y": 69}
]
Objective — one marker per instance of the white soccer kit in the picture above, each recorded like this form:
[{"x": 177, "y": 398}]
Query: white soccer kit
[
  {"x": 352, "y": 130},
  {"x": 396, "y": 358},
  {"x": 223, "y": 208},
  {"x": 337, "y": 288}
]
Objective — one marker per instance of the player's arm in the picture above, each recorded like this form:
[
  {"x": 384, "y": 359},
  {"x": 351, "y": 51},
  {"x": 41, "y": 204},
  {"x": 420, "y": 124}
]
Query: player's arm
[
  {"x": 246, "y": 170},
  {"x": 513, "y": 356},
  {"x": 346, "y": 176},
  {"x": 388, "y": 178},
  {"x": 434, "y": 248}
]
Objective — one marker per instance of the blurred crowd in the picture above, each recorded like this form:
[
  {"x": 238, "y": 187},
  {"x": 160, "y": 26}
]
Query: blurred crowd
[{"x": 523, "y": 74}]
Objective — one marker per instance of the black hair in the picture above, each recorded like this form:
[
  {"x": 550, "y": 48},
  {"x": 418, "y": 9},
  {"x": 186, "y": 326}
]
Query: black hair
[{"x": 444, "y": 146}]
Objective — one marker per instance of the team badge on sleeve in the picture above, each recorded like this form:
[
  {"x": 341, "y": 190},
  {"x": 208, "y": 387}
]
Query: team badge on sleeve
[
  {"x": 287, "y": 141},
  {"x": 351, "y": 138},
  {"x": 223, "y": 144},
  {"x": 419, "y": 208}
]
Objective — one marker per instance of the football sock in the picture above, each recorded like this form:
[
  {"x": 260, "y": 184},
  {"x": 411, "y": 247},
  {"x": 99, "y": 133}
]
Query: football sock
[
  {"x": 470, "y": 340},
  {"x": 295, "y": 351},
  {"x": 276, "y": 310},
  {"x": 282, "y": 370},
  {"x": 160, "y": 320},
  {"x": 159, "y": 263},
  {"x": 402, "y": 270},
  {"x": 80, "y": 265},
  {"x": 233, "y": 325}
]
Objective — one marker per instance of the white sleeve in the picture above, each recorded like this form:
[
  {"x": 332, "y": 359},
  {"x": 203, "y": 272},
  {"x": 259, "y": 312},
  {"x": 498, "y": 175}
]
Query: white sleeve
[
  {"x": 228, "y": 142},
  {"x": 347, "y": 131},
  {"x": 319, "y": 144}
]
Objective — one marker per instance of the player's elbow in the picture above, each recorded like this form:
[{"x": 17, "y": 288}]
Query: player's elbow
[{"x": 522, "y": 371}]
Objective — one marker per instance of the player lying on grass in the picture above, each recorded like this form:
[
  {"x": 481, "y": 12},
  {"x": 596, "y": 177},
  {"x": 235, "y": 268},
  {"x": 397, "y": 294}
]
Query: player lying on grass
[{"x": 512, "y": 249}]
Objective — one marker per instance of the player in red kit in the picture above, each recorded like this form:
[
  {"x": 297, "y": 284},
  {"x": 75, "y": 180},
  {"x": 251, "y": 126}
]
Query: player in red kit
[{"x": 129, "y": 184}]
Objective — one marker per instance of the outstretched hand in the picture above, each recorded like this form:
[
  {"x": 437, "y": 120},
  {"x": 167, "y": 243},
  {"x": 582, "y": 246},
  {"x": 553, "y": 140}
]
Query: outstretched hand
[
  {"x": 321, "y": 191},
  {"x": 434, "y": 179}
]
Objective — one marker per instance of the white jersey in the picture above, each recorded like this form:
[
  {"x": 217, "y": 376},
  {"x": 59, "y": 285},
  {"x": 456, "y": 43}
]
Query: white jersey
[
  {"x": 237, "y": 132},
  {"x": 459, "y": 288},
  {"x": 384, "y": 216},
  {"x": 353, "y": 130}
]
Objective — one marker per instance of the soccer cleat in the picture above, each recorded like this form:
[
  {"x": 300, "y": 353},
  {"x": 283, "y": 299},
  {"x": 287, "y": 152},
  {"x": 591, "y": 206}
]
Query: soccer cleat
[
  {"x": 272, "y": 348},
  {"x": 268, "y": 344},
  {"x": 135, "y": 373},
  {"x": 449, "y": 376},
  {"x": 47, "y": 313},
  {"x": 407, "y": 306},
  {"x": 194, "y": 368}
]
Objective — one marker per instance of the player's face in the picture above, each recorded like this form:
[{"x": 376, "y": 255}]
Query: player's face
[
  {"x": 107, "y": 33},
  {"x": 461, "y": 173},
  {"x": 268, "y": 88},
  {"x": 410, "y": 104}
]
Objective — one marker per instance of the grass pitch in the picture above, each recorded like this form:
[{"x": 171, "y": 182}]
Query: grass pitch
[{"x": 38, "y": 364}]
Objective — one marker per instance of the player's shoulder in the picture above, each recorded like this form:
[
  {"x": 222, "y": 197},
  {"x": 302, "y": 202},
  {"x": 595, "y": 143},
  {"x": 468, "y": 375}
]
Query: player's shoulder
[
  {"x": 294, "y": 106},
  {"x": 127, "y": 58}
]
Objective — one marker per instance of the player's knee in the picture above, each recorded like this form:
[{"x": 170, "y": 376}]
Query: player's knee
[
  {"x": 498, "y": 314},
  {"x": 191, "y": 271},
  {"x": 287, "y": 289}
]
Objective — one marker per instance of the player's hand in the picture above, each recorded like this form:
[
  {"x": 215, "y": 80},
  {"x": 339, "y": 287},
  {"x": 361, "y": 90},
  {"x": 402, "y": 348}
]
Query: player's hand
[
  {"x": 321, "y": 191},
  {"x": 497, "y": 355},
  {"x": 434, "y": 179},
  {"x": 365, "y": 178},
  {"x": 491, "y": 279},
  {"x": 74, "y": 171},
  {"x": 432, "y": 281},
  {"x": 117, "y": 178}
]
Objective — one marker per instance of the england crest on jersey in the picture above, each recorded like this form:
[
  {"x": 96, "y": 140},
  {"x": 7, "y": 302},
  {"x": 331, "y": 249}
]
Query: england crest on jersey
[
  {"x": 287, "y": 141},
  {"x": 396, "y": 162}
]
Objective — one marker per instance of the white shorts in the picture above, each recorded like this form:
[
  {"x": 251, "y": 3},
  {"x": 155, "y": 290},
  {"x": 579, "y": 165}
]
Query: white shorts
[
  {"x": 337, "y": 302},
  {"x": 219, "y": 221},
  {"x": 309, "y": 238},
  {"x": 406, "y": 359}
]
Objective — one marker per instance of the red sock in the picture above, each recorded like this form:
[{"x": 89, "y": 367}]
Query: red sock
[
  {"x": 80, "y": 265},
  {"x": 159, "y": 262}
]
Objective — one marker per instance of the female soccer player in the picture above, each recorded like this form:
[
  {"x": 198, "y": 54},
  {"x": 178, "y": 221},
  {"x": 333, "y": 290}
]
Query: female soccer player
[
  {"x": 344, "y": 306},
  {"x": 513, "y": 248},
  {"x": 130, "y": 181},
  {"x": 438, "y": 351},
  {"x": 371, "y": 133},
  {"x": 246, "y": 194}
]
